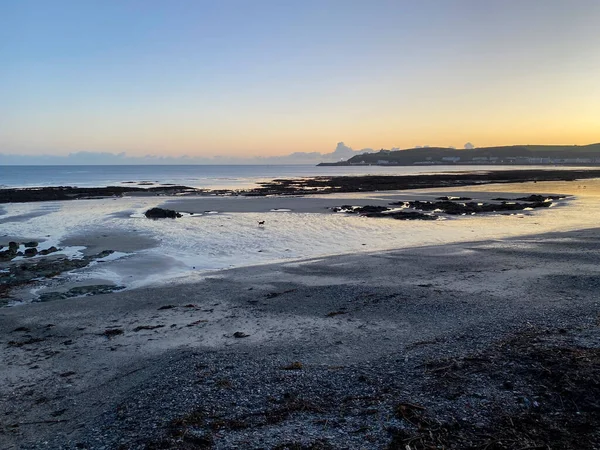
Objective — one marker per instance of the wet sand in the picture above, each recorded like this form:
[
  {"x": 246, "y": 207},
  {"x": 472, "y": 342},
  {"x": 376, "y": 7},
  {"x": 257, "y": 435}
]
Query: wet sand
[{"x": 326, "y": 349}]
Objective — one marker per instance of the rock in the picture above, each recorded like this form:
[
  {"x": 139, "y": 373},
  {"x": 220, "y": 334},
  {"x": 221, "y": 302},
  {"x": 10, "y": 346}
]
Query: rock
[
  {"x": 29, "y": 252},
  {"x": 47, "y": 251},
  {"x": 30, "y": 244},
  {"x": 104, "y": 254},
  {"x": 13, "y": 246},
  {"x": 370, "y": 209},
  {"x": 160, "y": 213},
  {"x": 7, "y": 255},
  {"x": 240, "y": 334}
]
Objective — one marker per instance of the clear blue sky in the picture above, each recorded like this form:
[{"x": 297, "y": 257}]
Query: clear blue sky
[{"x": 271, "y": 77}]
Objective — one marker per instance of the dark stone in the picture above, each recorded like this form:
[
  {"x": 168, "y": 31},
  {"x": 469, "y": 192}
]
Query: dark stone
[
  {"x": 7, "y": 255},
  {"x": 31, "y": 252},
  {"x": 30, "y": 244},
  {"x": 112, "y": 332},
  {"x": 13, "y": 246},
  {"x": 47, "y": 251},
  {"x": 160, "y": 213},
  {"x": 240, "y": 334}
]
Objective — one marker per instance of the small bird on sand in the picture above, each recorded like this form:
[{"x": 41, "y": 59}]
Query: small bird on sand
[{"x": 261, "y": 222}]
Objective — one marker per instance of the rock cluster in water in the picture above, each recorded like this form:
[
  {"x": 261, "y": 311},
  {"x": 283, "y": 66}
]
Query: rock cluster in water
[
  {"x": 25, "y": 272},
  {"x": 30, "y": 250},
  {"x": 428, "y": 210}
]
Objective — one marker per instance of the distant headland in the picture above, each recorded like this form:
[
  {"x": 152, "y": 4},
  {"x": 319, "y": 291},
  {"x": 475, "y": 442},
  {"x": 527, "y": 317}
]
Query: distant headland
[{"x": 506, "y": 155}]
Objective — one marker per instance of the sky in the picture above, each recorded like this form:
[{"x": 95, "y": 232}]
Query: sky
[{"x": 240, "y": 78}]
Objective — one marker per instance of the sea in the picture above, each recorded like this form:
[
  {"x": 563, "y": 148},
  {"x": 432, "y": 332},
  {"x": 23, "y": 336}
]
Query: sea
[{"x": 202, "y": 176}]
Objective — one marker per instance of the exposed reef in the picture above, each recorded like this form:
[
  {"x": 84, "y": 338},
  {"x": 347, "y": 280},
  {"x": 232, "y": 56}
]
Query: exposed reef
[
  {"x": 430, "y": 210},
  {"x": 303, "y": 186}
]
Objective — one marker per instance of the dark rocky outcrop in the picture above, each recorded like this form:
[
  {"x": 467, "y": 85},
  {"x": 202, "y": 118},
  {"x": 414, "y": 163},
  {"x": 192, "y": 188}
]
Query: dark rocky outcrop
[
  {"x": 26, "y": 271},
  {"x": 455, "y": 208},
  {"x": 370, "y": 183},
  {"x": 383, "y": 211},
  {"x": 160, "y": 213},
  {"x": 53, "y": 193},
  {"x": 30, "y": 244}
]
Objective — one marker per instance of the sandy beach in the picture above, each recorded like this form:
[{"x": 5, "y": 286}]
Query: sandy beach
[{"x": 386, "y": 348}]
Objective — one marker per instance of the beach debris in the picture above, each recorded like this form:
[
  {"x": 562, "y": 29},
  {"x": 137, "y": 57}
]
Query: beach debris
[
  {"x": 160, "y": 213},
  {"x": 147, "y": 327},
  {"x": 411, "y": 413},
  {"x": 70, "y": 373},
  {"x": 166, "y": 307},
  {"x": 112, "y": 332},
  {"x": 277, "y": 294},
  {"x": 22, "y": 329},
  {"x": 197, "y": 322},
  {"x": 80, "y": 291},
  {"x": 27, "y": 342},
  {"x": 296, "y": 365},
  {"x": 334, "y": 313},
  {"x": 240, "y": 334}
]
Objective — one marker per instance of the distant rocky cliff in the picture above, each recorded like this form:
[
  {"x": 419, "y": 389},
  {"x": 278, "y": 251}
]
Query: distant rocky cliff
[{"x": 517, "y": 154}]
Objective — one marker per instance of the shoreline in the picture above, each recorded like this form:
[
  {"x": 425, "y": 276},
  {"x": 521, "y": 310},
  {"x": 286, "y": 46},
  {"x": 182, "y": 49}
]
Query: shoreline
[
  {"x": 370, "y": 332},
  {"x": 305, "y": 186},
  {"x": 132, "y": 258},
  {"x": 219, "y": 232}
]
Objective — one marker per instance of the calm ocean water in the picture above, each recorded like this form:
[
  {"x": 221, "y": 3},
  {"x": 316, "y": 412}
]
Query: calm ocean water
[{"x": 200, "y": 176}]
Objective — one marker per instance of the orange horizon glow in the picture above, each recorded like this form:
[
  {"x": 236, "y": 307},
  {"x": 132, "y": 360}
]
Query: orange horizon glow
[{"x": 298, "y": 78}]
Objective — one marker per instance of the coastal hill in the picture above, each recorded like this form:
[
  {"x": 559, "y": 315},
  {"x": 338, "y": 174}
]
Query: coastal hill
[{"x": 515, "y": 154}]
